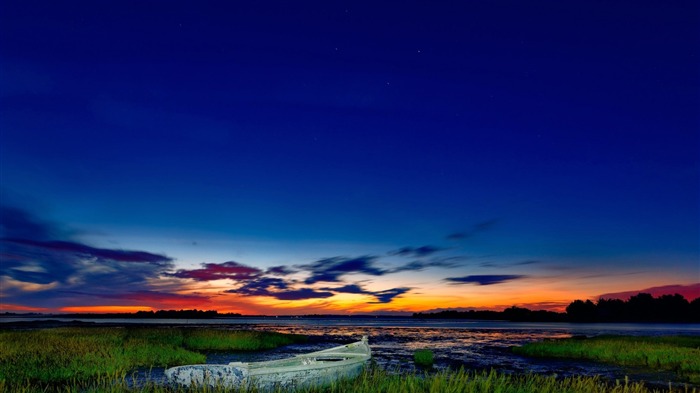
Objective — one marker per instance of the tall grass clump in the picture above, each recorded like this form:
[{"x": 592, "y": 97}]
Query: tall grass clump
[
  {"x": 70, "y": 355},
  {"x": 678, "y": 354},
  {"x": 423, "y": 358}
]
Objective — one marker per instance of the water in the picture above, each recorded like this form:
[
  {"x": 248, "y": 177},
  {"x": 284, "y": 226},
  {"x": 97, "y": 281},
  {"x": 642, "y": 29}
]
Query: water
[{"x": 455, "y": 343}]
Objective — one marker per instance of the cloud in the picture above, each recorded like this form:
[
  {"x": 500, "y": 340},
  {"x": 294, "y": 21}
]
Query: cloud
[
  {"x": 388, "y": 295},
  {"x": 219, "y": 271},
  {"x": 385, "y": 296},
  {"x": 416, "y": 252},
  {"x": 41, "y": 265},
  {"x": 521, "y": 263},
  {"x": 477, "y": 228},
  {"x": 18, "y": 223},
  {"x": 280, "y": 270},
  {"x": 281, "y": 289},
  {"x": 261, "y": 287},
  {"x": 350, "y": 288},
  {"x": 448, "y": 262},
  {"x": 332, "y": 269},
  {"x": 85, "y": 251},
  {"x": 690, "y": 292},
  {"x": 301, "y": 294},
  {"x": 277, "y": 288},
  {"x": 484, "y": 279}
]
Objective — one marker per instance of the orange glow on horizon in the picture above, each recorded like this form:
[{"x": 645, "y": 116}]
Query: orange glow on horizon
[
  {"x": 105, "y": 309},
  {"x": 19, "y": 307}
]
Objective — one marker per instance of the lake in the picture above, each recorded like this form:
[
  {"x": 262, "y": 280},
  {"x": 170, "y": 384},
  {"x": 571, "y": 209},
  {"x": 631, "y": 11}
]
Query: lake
[{"x": 455, "y": 343}]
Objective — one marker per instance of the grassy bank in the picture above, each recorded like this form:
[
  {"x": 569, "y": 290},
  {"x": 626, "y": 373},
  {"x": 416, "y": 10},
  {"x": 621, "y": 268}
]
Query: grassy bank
[
  {"x": 376, "y": 380},
  {"x": 68, "y": 355},
  {"x": 678, "y": 354},
  {"x": 98, "y": 360}
]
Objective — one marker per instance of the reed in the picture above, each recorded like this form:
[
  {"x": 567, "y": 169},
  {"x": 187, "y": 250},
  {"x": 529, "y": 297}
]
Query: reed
[{"x": 678, "y": 354}]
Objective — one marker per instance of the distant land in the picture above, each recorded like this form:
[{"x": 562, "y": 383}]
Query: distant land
[{"x": 642, "y": 307}]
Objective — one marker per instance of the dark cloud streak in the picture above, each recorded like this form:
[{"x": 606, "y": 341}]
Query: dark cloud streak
[
  {"x": 484, "y": 279},
  {"x": 85, "y": 251},
  {"x": 332, "y": 269},
  {"x": 219, "y": 271},
  {"x": 416, "y": 252},
  {"x": 477, "y": 228}
]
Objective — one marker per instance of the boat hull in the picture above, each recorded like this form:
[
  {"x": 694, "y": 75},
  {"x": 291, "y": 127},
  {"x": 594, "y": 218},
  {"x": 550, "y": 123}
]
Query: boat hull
[
  {"x": 207, "y": 374},
  {"x": 312, "y": 369}
]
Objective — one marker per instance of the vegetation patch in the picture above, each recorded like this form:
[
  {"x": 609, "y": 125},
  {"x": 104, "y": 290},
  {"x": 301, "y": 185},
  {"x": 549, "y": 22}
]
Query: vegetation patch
[
  {"x": 678, "y": 354},
  {"x": 423, "y": 358},
  {"x": 62, "y": 355},
  {"x": 227, "y": 340}
]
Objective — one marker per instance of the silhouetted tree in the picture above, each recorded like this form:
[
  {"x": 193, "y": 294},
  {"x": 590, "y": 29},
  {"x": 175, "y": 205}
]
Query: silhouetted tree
[
  {"x": 517, "y": 314},
  {"x": 672, "y": 308},
  {"x": 611, "y": 310},
  {"x": 642, "y": 308},
  {"x": 580, "y": 311},
  {"x": 694, "y": 310}
]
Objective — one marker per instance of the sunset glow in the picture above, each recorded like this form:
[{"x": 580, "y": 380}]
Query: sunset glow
[{"x": 104, "y": 309}]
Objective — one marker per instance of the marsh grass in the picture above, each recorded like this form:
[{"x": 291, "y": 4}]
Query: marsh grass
[
  {"x": 678, "y": 354},
  {"x": 69, "y": 355},
  {"x": 423, "y": 358},
  {"x": 223, "y": 340},
  {"x": 376, "y": 380},
  {"x": 86, "y": 360}
]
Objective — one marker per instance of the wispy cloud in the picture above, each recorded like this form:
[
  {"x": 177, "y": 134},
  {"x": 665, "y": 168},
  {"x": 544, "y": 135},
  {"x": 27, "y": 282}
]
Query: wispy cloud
[
  {"x": 335, "y": 268},
  {"x": 477, "y": 228},
  {"x": 484, "y": 279},
  {"x": 40, "y": 264},
  {"x": 20, "y": 224},
  {"x": 280, "y": 270},
  {"x": 350, "y": 288},
  {"x": 84, "y": 251},
  {"x": 388, "y": 295},
  {"x": 416, "y": 252},
  {"x": 447, "y": 262},
  {"x": 219, "y": 271},
  {"x": 509, "y": 264},
  {"x": 384, "y": 296},
  {"x": 332, "y": 269},
  {"x": 279, "y": 289}
]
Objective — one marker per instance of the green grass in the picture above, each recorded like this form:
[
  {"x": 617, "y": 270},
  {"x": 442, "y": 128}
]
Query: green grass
[
  {"x": 226, "y": 340},
  {"x": 423, "y": 358},
  {"x": 67, "y": 355},
  {"x": 98, "y": 359},
  {"x": 375, "y": 380},
  {"x": 678, "y": 354}
]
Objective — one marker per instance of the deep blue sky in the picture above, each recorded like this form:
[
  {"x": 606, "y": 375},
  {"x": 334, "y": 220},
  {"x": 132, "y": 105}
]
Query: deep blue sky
[{"x": 301, "y": 131}]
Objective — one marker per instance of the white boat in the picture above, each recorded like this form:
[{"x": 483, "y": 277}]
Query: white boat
[{"x": 311, "y": 369}]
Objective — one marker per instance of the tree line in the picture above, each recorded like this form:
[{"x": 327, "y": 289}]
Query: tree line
[{"x": 642, "y": 307}]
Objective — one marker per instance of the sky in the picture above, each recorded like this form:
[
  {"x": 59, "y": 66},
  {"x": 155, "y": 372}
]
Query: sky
[{"x": 347, "y": 157}]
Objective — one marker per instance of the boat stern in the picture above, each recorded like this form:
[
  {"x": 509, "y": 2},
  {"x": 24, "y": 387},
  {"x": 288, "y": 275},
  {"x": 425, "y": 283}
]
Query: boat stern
[{"x": 213, "y": 375}]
